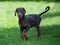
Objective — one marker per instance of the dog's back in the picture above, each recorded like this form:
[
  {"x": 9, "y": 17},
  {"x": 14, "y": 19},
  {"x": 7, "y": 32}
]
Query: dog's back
[{"x": 33, "y": 19}]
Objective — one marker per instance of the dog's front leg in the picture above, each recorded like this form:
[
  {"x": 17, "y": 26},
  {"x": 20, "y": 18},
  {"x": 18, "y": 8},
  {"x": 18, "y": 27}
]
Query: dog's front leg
[
  {"x": 22, "y": 32},
  {"x": 26, "y": 31}
]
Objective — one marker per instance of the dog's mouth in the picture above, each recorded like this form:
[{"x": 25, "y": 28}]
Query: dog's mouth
[{"x": 20, "y": 16}]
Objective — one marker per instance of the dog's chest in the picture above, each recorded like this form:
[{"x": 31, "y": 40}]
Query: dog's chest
[{"x": 23, "y": 23}]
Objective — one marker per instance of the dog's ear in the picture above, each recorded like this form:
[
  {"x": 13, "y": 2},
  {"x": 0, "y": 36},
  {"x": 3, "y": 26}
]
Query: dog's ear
[
  {"x": 24, "y": 11},
  {"x": 15, "y": 12}
]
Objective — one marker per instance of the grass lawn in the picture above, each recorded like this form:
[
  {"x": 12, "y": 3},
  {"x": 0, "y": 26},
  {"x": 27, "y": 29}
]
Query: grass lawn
[{"x": 50, "y": 24}]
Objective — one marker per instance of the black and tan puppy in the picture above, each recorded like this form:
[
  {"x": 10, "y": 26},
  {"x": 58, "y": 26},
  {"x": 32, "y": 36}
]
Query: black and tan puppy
[{"x": 28, "y": 21}]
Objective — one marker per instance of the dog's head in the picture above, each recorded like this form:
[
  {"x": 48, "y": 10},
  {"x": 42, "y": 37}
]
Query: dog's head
[{"x": 20, "y": 12}]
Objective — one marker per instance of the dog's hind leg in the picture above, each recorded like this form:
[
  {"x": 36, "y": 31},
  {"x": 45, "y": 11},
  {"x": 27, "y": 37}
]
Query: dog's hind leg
[{"x": 38, "y": 31}]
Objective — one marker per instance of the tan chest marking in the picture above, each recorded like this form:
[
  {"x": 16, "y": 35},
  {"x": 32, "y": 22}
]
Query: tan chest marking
[{"x": 24, "y": 25}]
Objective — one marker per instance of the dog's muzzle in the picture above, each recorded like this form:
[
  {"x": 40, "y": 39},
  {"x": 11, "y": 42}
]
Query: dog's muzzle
[{"x": 20, "y": 15}]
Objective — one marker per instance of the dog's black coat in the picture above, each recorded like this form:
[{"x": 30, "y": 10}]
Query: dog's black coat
[{"x": 28, "y": 21}]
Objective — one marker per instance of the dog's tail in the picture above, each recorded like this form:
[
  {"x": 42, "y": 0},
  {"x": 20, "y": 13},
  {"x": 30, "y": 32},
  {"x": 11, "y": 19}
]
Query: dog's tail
[{"x": 46, "y": 10}]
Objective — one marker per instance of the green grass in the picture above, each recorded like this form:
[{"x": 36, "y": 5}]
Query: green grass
[{"x": 50, "y": 24}]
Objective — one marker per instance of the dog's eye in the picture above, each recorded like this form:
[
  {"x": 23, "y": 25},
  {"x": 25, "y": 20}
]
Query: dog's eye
[{"x": 21, "y": 10}]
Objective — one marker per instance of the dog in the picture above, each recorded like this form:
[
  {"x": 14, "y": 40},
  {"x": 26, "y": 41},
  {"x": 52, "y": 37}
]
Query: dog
[{"x": 28, "y": 21}]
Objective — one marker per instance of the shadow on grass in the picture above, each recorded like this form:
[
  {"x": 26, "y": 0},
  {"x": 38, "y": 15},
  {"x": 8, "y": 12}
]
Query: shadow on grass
[
  {"x": 51, "y": 29},
  {"x": 12, "y": 35},
  {"x": 14, "y": 32},
  {"x": 50, "y": 15}
]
